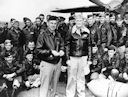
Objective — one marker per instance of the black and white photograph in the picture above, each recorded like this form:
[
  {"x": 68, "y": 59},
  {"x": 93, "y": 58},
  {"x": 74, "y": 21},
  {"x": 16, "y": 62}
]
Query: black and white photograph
[{"x": 63, "y": 48}]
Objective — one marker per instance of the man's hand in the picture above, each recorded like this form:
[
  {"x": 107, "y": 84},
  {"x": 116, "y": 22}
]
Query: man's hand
[
  {"x": 61, "y": 53},
  {"x": 125, "y": 76},
  {"x": 5, "y": 75},
  {"x": 89, "y": 62},
  {"x": 68, "y": 62},
  {"x": 63, "y": 68},
  {"x": 105, "y": 49},
  {"x": 55, "y": 53},
  {"x": 36, "y": 66},
  {"x": 10, "y": 76},
  {"x": 103, "y": 69},
  {"x": 4, "y": 85}
]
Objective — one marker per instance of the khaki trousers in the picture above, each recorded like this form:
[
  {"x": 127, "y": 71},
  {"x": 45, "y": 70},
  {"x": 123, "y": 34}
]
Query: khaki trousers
[
  {"x": 76, "y": 77},
  {"x": 48, "y": 72}
]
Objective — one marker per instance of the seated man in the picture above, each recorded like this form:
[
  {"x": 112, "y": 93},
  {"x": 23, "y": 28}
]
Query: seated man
[
  {"x": 10, "y": 72},
  {"x": 102, "y": 87},
  {"x": 123, "y": 67},
  {"x": 96, "y": 65},
  {"x": 30, "y": 47},
  {"x": 31, "y": 74},
  {"x": 110, "y": 61},
  {"x": 8, "y": 47}
]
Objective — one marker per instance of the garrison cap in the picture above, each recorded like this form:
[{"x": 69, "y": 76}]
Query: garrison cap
[
  {"x": 71, "y": 18},
  {"x": 61, "y": 18},
  {"x": 26, "y": 19},
  {"x": 41, "y": 15},
  {"x": 52, "y": 18},
  {"x": 12, "y": 19},
  {"x": 7, "y": 54},
  {"x": 29, "y": 52},
  {"x": 112, "y": 47},
  {"x": 90, "y": 16}
]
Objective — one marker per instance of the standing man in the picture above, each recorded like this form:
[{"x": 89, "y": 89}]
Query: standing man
[
  {"x": 113, "y": 29},
  {"x": 77, "y": 52},
  {"x": 12, "y": 20},
  {"x": 126, "y": 26},
  {"x": 121, "y": 35},
  {"x": 104, "y": 33},
  {"x": 93, "y": 33},
  {"x": 37, "y": 27},
  {"x": 71, "y": 23},
  {"x": 29, "y": 31},
  {"x": 43, "y": 23},
  {"x": 3, "y": 35},
  {"x": 50, "y": 49}
]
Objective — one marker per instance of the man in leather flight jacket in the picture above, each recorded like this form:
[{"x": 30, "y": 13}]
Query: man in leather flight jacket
[
  {"x": 50, "y": 50},
  {"x": 104, "y": 33},
  {"x": 77, "y": 52}
]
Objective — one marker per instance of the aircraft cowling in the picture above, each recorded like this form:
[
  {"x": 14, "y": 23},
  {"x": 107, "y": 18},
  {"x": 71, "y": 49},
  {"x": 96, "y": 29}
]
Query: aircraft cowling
[{"x": 120, "y": 6}]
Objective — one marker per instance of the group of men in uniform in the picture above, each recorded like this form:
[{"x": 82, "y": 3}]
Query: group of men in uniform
[{"x": 36, "y": 55}]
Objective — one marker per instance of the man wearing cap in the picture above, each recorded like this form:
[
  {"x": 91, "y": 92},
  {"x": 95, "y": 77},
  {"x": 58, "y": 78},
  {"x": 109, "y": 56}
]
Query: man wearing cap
[
  {"x": 37, "y": 27},
  {"x": 93, "y": 32},
  {"x": 107, "y": 17},
  {"x": 12, "y": 20},
  {"x": 62, "y": 27},
  {"x": 104, "y": 32},
  {"x": 43, "y": 23},
  {"x": 77, "y": 53},
  {"x": 97, "y": 19},
  {"x": 93, "y": 28},
  {"x": 126, "y": 25},
  {"x": 28, "y": 31},
  {"x": 121, "y": 35},
  {"x": 113, "y": 29},
  {"x": 50, "y": 49},
  {"x": 71, "y": 23},
  {"x": 3, "y": 35},
  {"x": 11, "y": 72}
]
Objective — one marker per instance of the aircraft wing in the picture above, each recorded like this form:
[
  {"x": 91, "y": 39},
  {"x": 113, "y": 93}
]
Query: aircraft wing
[{"x": 81, "y": 9}]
